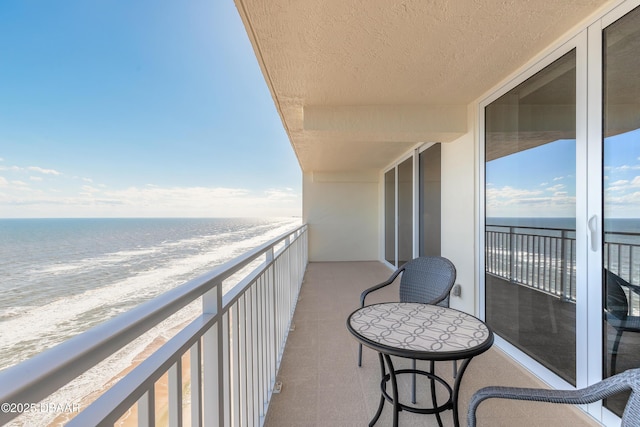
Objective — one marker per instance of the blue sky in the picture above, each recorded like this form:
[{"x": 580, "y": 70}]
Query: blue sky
[
  {"x": 145, "y": 108},
  {"x": 622, "y": 175},
  {"x": 540, "y": 182}
]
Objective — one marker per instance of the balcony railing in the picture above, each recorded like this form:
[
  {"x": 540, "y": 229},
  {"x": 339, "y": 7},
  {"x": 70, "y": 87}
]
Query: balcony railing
[
  {"x": 234, "y": 346},
  {"x": 545, "y": 258},
  {"x": 540, "y": 258}
]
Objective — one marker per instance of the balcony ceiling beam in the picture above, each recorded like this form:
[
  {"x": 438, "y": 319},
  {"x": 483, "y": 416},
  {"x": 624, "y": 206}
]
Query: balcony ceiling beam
[{"x": 391, "y": 123}]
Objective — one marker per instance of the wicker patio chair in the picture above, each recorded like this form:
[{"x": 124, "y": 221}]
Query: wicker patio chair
[
  {"x": 425, "y": 280},
  {"x": 628, "y": 380},
  {"x": 617, "y": 312}
]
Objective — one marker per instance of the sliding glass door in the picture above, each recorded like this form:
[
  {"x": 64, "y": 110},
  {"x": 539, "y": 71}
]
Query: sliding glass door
[
  {"x": 621, "y": 183},
  {"x": 530, "y": 216},
  {"x": 398, "y": 213},
  {"x": 562, "y": 208},
  {"x": 430, "y": 201},
  {"x": 390, "y": 216},
  {"x": 412, "y": 205}
]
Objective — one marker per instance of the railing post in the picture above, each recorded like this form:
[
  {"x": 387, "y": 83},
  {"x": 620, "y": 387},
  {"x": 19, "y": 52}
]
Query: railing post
[
  {"x": 512, "y": 247},
  {"x": 234, "y": 373},
  {"x": 196, "y": 384},
  {"x": 242, "y": 358},
  {"x": 562, "y": 266},
  {"x": 225, "y": 369},
  {"x": 175, "y": 394},
  {"x": 146, "y": 409},
  {"x": 272, "y": 335},
  {"x": 212, "y": 360}
]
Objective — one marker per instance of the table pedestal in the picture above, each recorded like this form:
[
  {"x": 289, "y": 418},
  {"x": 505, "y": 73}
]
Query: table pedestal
[
  {"x": 393, "y": 398},
  {"x": 419, "y": 332}
]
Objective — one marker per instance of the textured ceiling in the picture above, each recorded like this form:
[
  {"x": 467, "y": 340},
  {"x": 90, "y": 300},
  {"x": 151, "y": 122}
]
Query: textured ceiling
[{"x": 366, "y": 71}]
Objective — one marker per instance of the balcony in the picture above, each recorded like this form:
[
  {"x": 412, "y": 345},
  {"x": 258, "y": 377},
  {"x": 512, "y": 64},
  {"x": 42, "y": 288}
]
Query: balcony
[
  {"x": 322, "y": 384},
  {"x": 230, "y": 366}
]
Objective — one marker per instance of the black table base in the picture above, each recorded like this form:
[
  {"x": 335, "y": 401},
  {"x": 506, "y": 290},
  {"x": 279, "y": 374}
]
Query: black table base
[
  {"x": 393, "y": 398},
  {"x": 418, "y": 331}
]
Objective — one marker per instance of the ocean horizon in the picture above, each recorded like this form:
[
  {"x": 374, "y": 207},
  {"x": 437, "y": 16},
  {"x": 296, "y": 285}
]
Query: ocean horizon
[{"x": 611, "y": 225}]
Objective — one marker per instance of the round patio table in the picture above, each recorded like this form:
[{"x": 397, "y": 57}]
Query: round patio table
[{"x": 422, "y": 332}]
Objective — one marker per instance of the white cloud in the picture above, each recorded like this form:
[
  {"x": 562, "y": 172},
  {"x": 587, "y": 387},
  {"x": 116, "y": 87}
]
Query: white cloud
[
  {"x": 90, "y": 189},
  {"x": 622, "y": 168},
  {"x": 44, "y": 171},
  {"x": 556, "y": 188},
  {"x": 622, "y": 185},
  {"x": 150, "y": 201},
  {"x": 509, "y": 201},
  {"x": 10, "y": 168},
  {"x": 280, "y": 194},
  {"x": 619, "y": 183},
  {"x": 35, "y": 178}
]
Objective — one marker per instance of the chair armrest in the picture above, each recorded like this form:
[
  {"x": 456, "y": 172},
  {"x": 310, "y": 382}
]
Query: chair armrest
[
  {"x": 440, "y": 298},
  {"x": 387, "y": 282},
  {"x": 593, "y": 393}
]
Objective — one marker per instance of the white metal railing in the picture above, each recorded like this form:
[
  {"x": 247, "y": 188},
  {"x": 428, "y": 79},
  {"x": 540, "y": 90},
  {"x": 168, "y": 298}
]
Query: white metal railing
[
  {"x": 235, "y": 346},
  {"x": 545, "y": 258},
  {"x": 537, "y": 257}
]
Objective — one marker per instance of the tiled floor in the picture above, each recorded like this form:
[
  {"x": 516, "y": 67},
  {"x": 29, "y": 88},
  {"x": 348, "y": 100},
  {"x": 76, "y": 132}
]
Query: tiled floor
[{"x": 323, "y": 386}]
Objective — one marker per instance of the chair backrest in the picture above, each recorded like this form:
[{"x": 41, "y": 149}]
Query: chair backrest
[
  {"x": 617, "y": 303},
  {"x": 427, "y": 280}
]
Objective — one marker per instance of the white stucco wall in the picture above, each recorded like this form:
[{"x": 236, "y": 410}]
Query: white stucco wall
[
  {"x": 342, "y": 212},
  {"x": 459, "y": 212}
]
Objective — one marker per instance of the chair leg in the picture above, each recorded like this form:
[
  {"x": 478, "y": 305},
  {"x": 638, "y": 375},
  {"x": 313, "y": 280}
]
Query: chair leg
[
  {"x": 359, "y": 354},
  {"x": 614, "y": 352},
  {"x": 413, "y": 382}
]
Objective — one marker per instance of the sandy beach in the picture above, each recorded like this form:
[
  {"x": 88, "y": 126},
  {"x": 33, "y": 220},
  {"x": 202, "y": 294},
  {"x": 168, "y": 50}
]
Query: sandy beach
[{"x": 161, "y": 390}]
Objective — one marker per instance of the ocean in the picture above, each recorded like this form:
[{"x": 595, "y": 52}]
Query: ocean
[{"x": 62, "y": 276}]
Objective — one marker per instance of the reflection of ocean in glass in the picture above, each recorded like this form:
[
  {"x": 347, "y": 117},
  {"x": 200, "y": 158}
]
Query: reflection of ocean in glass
[
  {"x": 540, "y": 252},
  {"x": 536, "y": 252}
]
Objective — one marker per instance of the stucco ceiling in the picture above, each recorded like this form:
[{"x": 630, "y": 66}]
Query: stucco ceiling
[{"x": 358, "y": 82}]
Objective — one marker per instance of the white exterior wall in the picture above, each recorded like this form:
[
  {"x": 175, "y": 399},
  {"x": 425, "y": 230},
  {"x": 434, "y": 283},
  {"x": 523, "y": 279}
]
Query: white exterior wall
[
  {"x": 459, "y": 215},
  {"x": 342, "y": 212}
]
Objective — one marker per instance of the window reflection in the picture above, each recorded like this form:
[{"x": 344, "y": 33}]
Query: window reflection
[
  {"x": 621, "y": 178},
  {"x": 530, "y": 216}
]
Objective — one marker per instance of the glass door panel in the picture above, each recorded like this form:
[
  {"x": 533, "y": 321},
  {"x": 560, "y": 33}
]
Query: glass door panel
[
  {"x": 530, "y": 211},
  {"x": 621, "y": 183},
  {"x": 390, "y": 216},
  {"x": 405, "y": 211},
  {"x": 430, "y": 201}
]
